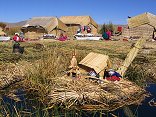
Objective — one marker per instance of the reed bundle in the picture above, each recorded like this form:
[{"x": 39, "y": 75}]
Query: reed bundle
[
  {"x": 9, "y": 74},
  {"x": 90, "y": 95}
]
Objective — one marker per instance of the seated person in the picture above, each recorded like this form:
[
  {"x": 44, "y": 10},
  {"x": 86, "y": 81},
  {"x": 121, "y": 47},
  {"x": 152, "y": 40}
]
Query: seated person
[
  {"x": 62, "y": 37},
  {"x": 105, "y": 36},
  {"x": 112, "y": 75},
  {"x": 17, "y": 48},
  {"x": 16, "y": 37}
]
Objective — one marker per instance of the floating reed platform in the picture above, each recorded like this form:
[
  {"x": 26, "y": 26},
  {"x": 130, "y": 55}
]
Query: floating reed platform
[
  {"x": 90, "y": 95},
  {"x": 80, "y": 93}
]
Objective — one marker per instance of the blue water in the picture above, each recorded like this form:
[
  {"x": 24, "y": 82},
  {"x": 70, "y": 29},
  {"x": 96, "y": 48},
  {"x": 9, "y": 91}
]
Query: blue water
[
  {"x": 145, "y": 110},
  {"x": 27, "y": 107},
  {"x": 32, "y": 106}
]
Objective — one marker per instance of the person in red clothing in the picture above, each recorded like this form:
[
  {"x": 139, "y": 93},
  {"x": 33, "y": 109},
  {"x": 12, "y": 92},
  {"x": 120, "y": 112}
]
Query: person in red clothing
[
  {"x": 109, "y": 33},
  {"x": 16, "y": 37},
  {"x": 62, "y": 37},
  {"x": 113, "y": 78},
  {"x": 112, "y": 75},
  {"x": 89, "y": 29}
]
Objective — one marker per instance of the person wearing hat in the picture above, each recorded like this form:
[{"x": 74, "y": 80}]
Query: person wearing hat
[{"x": 16, "y": 37}]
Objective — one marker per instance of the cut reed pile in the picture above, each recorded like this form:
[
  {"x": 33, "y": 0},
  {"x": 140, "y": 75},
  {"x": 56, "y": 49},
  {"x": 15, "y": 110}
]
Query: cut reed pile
[
  {"x": 9, "y": 74},
  {"x": 89, "y": 95}
]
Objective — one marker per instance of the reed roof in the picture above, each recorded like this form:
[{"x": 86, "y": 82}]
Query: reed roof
[
  {"x": 82, "y": 20},
  {"x": 1, "y": 31},
  {"x": 142, "y": 19},
  {"x": 96, "y": 61},
  {"x": 48, "y": 23}
]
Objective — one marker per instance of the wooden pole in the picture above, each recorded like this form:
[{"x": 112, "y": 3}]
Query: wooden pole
[{"x": 56, "y": 27}]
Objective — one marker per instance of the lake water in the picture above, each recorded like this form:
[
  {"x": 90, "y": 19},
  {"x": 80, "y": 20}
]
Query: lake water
[
  {"x": 27, "y": 105},
  {"x": 144, "y": 110}
]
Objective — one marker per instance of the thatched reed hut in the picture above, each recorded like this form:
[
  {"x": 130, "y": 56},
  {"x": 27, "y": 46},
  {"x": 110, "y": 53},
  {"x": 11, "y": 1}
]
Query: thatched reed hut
[
  {"x": 2, "y": 32},
  {"x": 142, "y": 20},
  {"x": 75, "y": 22},
  {"x": 38, "y": 26},
  {"x": 96, "y": 62}
]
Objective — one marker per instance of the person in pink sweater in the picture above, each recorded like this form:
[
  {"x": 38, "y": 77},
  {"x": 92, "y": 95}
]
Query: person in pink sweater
[
  {"x": 109, "y": 33},
  {"x": 62, "y": 37}
]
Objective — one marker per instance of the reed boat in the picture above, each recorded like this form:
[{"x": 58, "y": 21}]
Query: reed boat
[
  {"x": 3, "y": 38},
  {"x": 88, "y": 36}
]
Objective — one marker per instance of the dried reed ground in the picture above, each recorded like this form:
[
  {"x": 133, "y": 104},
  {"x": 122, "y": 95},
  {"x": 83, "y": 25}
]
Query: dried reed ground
[{"x": 44, "y": 66}]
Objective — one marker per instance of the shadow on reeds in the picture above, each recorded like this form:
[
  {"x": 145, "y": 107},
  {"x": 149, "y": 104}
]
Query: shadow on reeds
[
  {"x": 139, "y": 75},
  {"x": 30, "y": 107}
]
